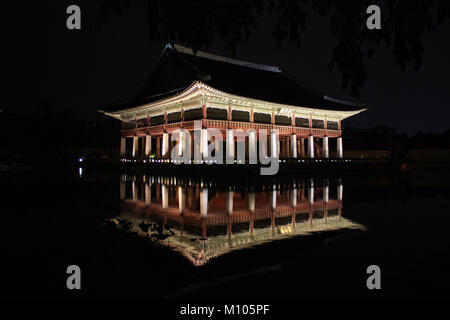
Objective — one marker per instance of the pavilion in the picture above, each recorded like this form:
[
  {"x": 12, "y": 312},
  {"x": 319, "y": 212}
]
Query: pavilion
[{"x": 187, "y": 88}]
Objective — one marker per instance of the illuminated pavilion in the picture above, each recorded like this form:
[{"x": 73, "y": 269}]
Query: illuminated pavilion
[{"x": 224, "y": 94}]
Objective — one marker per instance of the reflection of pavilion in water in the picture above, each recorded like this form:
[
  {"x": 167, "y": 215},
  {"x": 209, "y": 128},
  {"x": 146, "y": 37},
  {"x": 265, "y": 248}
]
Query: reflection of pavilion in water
[{"x": 202, "y": 223}]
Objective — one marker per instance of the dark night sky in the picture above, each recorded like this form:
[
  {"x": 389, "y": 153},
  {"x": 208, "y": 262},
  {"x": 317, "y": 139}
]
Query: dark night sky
[{"x": 81, "y": 70}]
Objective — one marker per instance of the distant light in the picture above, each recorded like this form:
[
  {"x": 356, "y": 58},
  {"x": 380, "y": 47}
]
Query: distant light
[
  {"x": 80, "y": 159},
  {"x": 80, "y": 172}
]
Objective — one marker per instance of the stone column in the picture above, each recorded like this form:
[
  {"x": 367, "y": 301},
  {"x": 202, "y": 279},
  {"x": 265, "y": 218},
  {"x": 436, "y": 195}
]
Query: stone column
[
  {"x": 230, "y": 145},
  {"x": 181, "y": 142},
  {"x": 340, "y": 150},
  {"x": 274, "y": 145},
  {"x": 135, "y": 147},
  {"x": 204, "y": 143},
  {"x": 310, "y": 146},
  {"x": 165, "y": 145},
  {"x": 294, "y": 146},
  {"x": 148, "y": 146},
  {"x": 326, "y": 152},
  {"x": 123, "y": 147},
  {"x": 252, "y": 150}
]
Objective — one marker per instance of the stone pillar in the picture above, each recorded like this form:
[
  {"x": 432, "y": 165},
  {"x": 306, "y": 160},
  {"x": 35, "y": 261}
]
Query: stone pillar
[
  {"x": 340, "y": 150},
  {"x": 181, "y": 142},
  {"x": 230, "y": 145},
  {"x": 135, "y": 147},
  {"x": 294, "y": 146},
  {"x": 165, "y": 145},
  {"x": 123, "y": 147},
  {"x": 204, "y": 143},
  {"x": 204, "y": 202},
  {"x": 326, "y": 152},
  {"x": 310, "y": 146},
  {"x": 252, "y": 149},
  {"x": 274, "y": 145},
  {"x": 148, "y": 146}
]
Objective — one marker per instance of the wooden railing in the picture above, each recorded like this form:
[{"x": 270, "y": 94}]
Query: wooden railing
[{"x": 235, "y": 125}]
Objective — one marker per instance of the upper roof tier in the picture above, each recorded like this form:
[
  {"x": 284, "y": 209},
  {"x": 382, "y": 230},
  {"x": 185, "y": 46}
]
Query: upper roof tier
[{"x": 178, "y": 68}]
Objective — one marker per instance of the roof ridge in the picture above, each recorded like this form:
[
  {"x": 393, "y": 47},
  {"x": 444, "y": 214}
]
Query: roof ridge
[{"x": 215, "y": 57}]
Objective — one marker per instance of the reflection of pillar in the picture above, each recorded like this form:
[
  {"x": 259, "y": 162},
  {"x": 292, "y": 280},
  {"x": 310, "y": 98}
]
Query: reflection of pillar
[
  {"x": 251, "y": 201},
  {"x": 310, "y": 146},
  {"x": 230, "y": 195},
  {"x": 326, "y": 152},
  {"x": 164, "y": 197},
  {"x": 326, "y": 197},
  {"x": 148, "y": 145},
  {"x": 134, "y": 195},
  {"x": 340, "y": 150},
  {"x": 122, "y": 189},
  {"x": 204, "y": 202},
  {"x": 252, "y": 223},
  {"x": 148, "y": 193},
  {"x": 181, "y": 224},
  {"x": 135, "y": 146},
  {"x": 165, "y": 144},
  {"x": 294, "y": 146},
  {"x": 229, "y": 224},
  {"x": 311, "y": 200},
  {"x": 181, "y": 200},
  {"x": 340, "y": 194},
  {"x": 294, "y": 197},
  {"x": 122, "y": 147},
  {"x": 273, "y": 198}
]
